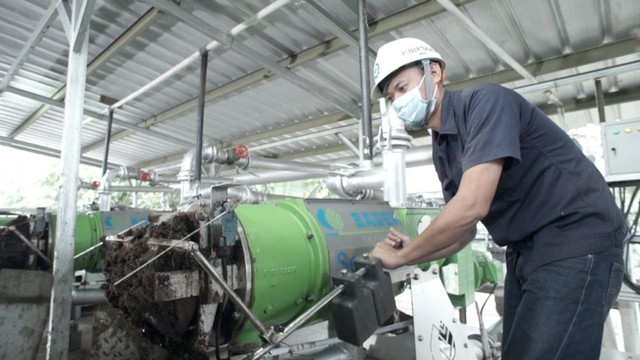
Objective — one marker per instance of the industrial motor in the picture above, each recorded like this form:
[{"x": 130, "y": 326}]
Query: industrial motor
[{"x": 278, "y": 256}]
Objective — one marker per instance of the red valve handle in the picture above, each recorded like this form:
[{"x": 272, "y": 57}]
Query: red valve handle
[
  {"x": 242, "y": 151},
  {"x": 144, "y": 176},
  {"x": 95, "y": 184}
]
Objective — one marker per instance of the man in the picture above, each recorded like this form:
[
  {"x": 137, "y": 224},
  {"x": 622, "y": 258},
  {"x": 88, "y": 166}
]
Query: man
[{"x": 503, "y": 162}]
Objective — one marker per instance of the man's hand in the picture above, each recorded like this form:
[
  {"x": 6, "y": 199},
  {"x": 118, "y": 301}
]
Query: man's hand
[
  {"x": 387, "y": 249},
  {"x": 387, "y": 254},
  {"x": 397, "y": 239}
]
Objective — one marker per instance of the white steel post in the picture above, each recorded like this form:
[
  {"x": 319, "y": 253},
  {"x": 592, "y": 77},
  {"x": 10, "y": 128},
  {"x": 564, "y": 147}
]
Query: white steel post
[{"x": 76, "y": 23}]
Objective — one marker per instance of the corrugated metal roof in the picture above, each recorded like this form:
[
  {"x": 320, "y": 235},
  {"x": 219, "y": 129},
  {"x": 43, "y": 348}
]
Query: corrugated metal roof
[{"x": 245, "y": 98}]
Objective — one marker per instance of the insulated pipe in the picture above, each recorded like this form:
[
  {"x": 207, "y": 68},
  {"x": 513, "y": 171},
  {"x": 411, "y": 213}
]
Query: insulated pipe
[
  {"x": 285, "y": 165},
  {"x": 364, "y": 80},
  {"x": 189, "y": 160},
  {"x": 273, "y": 176},
  {"x": 107, "y": 140},
  {"x": 414, "y": 157},
  {"x": 209, "y": 47},
  {"x": 352, "y": 186},
  {"x": 146, "y": 189},
  {"x": 204, "y": 59},
  {"x": 243, "y": 194}
]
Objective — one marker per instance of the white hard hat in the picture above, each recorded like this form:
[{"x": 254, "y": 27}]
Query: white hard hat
[{"x": 396, "y": 54}]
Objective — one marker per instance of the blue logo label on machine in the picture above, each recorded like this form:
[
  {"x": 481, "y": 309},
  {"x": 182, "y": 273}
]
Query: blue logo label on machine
[
  {"x": 114, "y": 223},
  {"x": 333, "y": 223}
]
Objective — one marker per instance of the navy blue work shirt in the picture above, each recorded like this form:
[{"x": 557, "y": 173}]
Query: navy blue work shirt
[{"x": 551, "y": 203}]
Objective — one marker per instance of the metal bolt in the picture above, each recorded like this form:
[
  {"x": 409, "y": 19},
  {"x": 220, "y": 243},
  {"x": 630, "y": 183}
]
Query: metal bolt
[
  {"x": 344, "y": 272},
  {"x": 416, "y": 277},
  {"x": 434, "y": 271},
  {"x": 420, "y": 338},
  {"x": 311, "y": 298},
  {"x": 466, "y": 345},
  {"x": 309, "y": 235},
  {"x": 454, "y": 320},
  {"x": 235, "y": 315},
  {"x": 365, "y": 255}
]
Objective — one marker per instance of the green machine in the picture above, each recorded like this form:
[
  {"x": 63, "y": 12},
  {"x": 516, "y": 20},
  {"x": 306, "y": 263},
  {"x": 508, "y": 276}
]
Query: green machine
[
  {"x": 91, "y": 228},
  {"x": 40, "y": 229},
  {"x": 280, "y": 257}
]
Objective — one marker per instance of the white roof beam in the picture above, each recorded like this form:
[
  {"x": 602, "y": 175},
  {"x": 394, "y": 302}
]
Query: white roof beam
[{"x": 34, "y": 39}]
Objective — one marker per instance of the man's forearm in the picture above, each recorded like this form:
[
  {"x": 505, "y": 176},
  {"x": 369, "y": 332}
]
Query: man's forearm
[
  {"x": 449, "y": 232},
  {"x": 448, "y": 251}
]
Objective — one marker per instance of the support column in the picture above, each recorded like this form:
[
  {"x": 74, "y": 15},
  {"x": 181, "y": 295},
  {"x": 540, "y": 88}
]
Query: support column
[{"x": 76, "y": 23}]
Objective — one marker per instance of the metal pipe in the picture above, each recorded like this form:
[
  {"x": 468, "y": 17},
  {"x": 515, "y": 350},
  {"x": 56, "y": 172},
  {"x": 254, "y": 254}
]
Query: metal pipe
[
  {"x": 600, "y": 100},
  {"x": 88, "y": 297},
  {"x": 145, "y": 189},
  {"x": 258, "y": 16},
  {"x": 273, "y": 177},
  {"x": 364, "y": 80},
  {"x": 209, "y": 47},
  {"x": 486, "y": 40},
  {"x": 352, "y": 186},
  {"x": 245, "y": 195},
  {"x": 414, "y": 157},
  {"x": 348, "y": 143},
  {"x": 288, "y": 165},
  {"x": 242, "y": 194},
  {"x": 197, "y": 255},
  {"x": 204, "y": 60},
  {"x": 107, "y": 141},
  {"x": 29, "y": 244},
  {"x": 578, "y": 78}
]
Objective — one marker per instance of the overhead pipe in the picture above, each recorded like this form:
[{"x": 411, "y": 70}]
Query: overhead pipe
[
  {"x": 243, "y": 194},
  {"x": 600, "y": 100},
  {"x": 364, "y": 81},
  {"x": 394, "y": 142},
  {"x": 359, "y": 186},
  {"x": 347, "y": 143},
  {"x": 204, "y": 59},
  {"x": 124, "y": 173},
  {"x": 107, "y": 141},
  {"x": 252, "y": 162},
  {"x": 144, "y": 189},
  {"x": 209, "y": 47},
  {"x": 416, "y": 156}
]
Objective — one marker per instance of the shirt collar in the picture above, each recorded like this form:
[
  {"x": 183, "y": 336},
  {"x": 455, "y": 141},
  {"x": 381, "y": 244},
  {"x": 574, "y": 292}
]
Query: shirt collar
[{"x": 447, "y": 119}]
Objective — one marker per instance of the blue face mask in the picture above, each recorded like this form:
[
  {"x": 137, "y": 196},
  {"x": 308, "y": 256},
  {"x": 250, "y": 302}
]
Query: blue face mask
[{"x": 412, "y": 109}]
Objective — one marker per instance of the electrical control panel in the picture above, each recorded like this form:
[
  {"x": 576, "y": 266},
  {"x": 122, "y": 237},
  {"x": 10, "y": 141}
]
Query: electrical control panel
[{"x": 621, "y": 147}]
